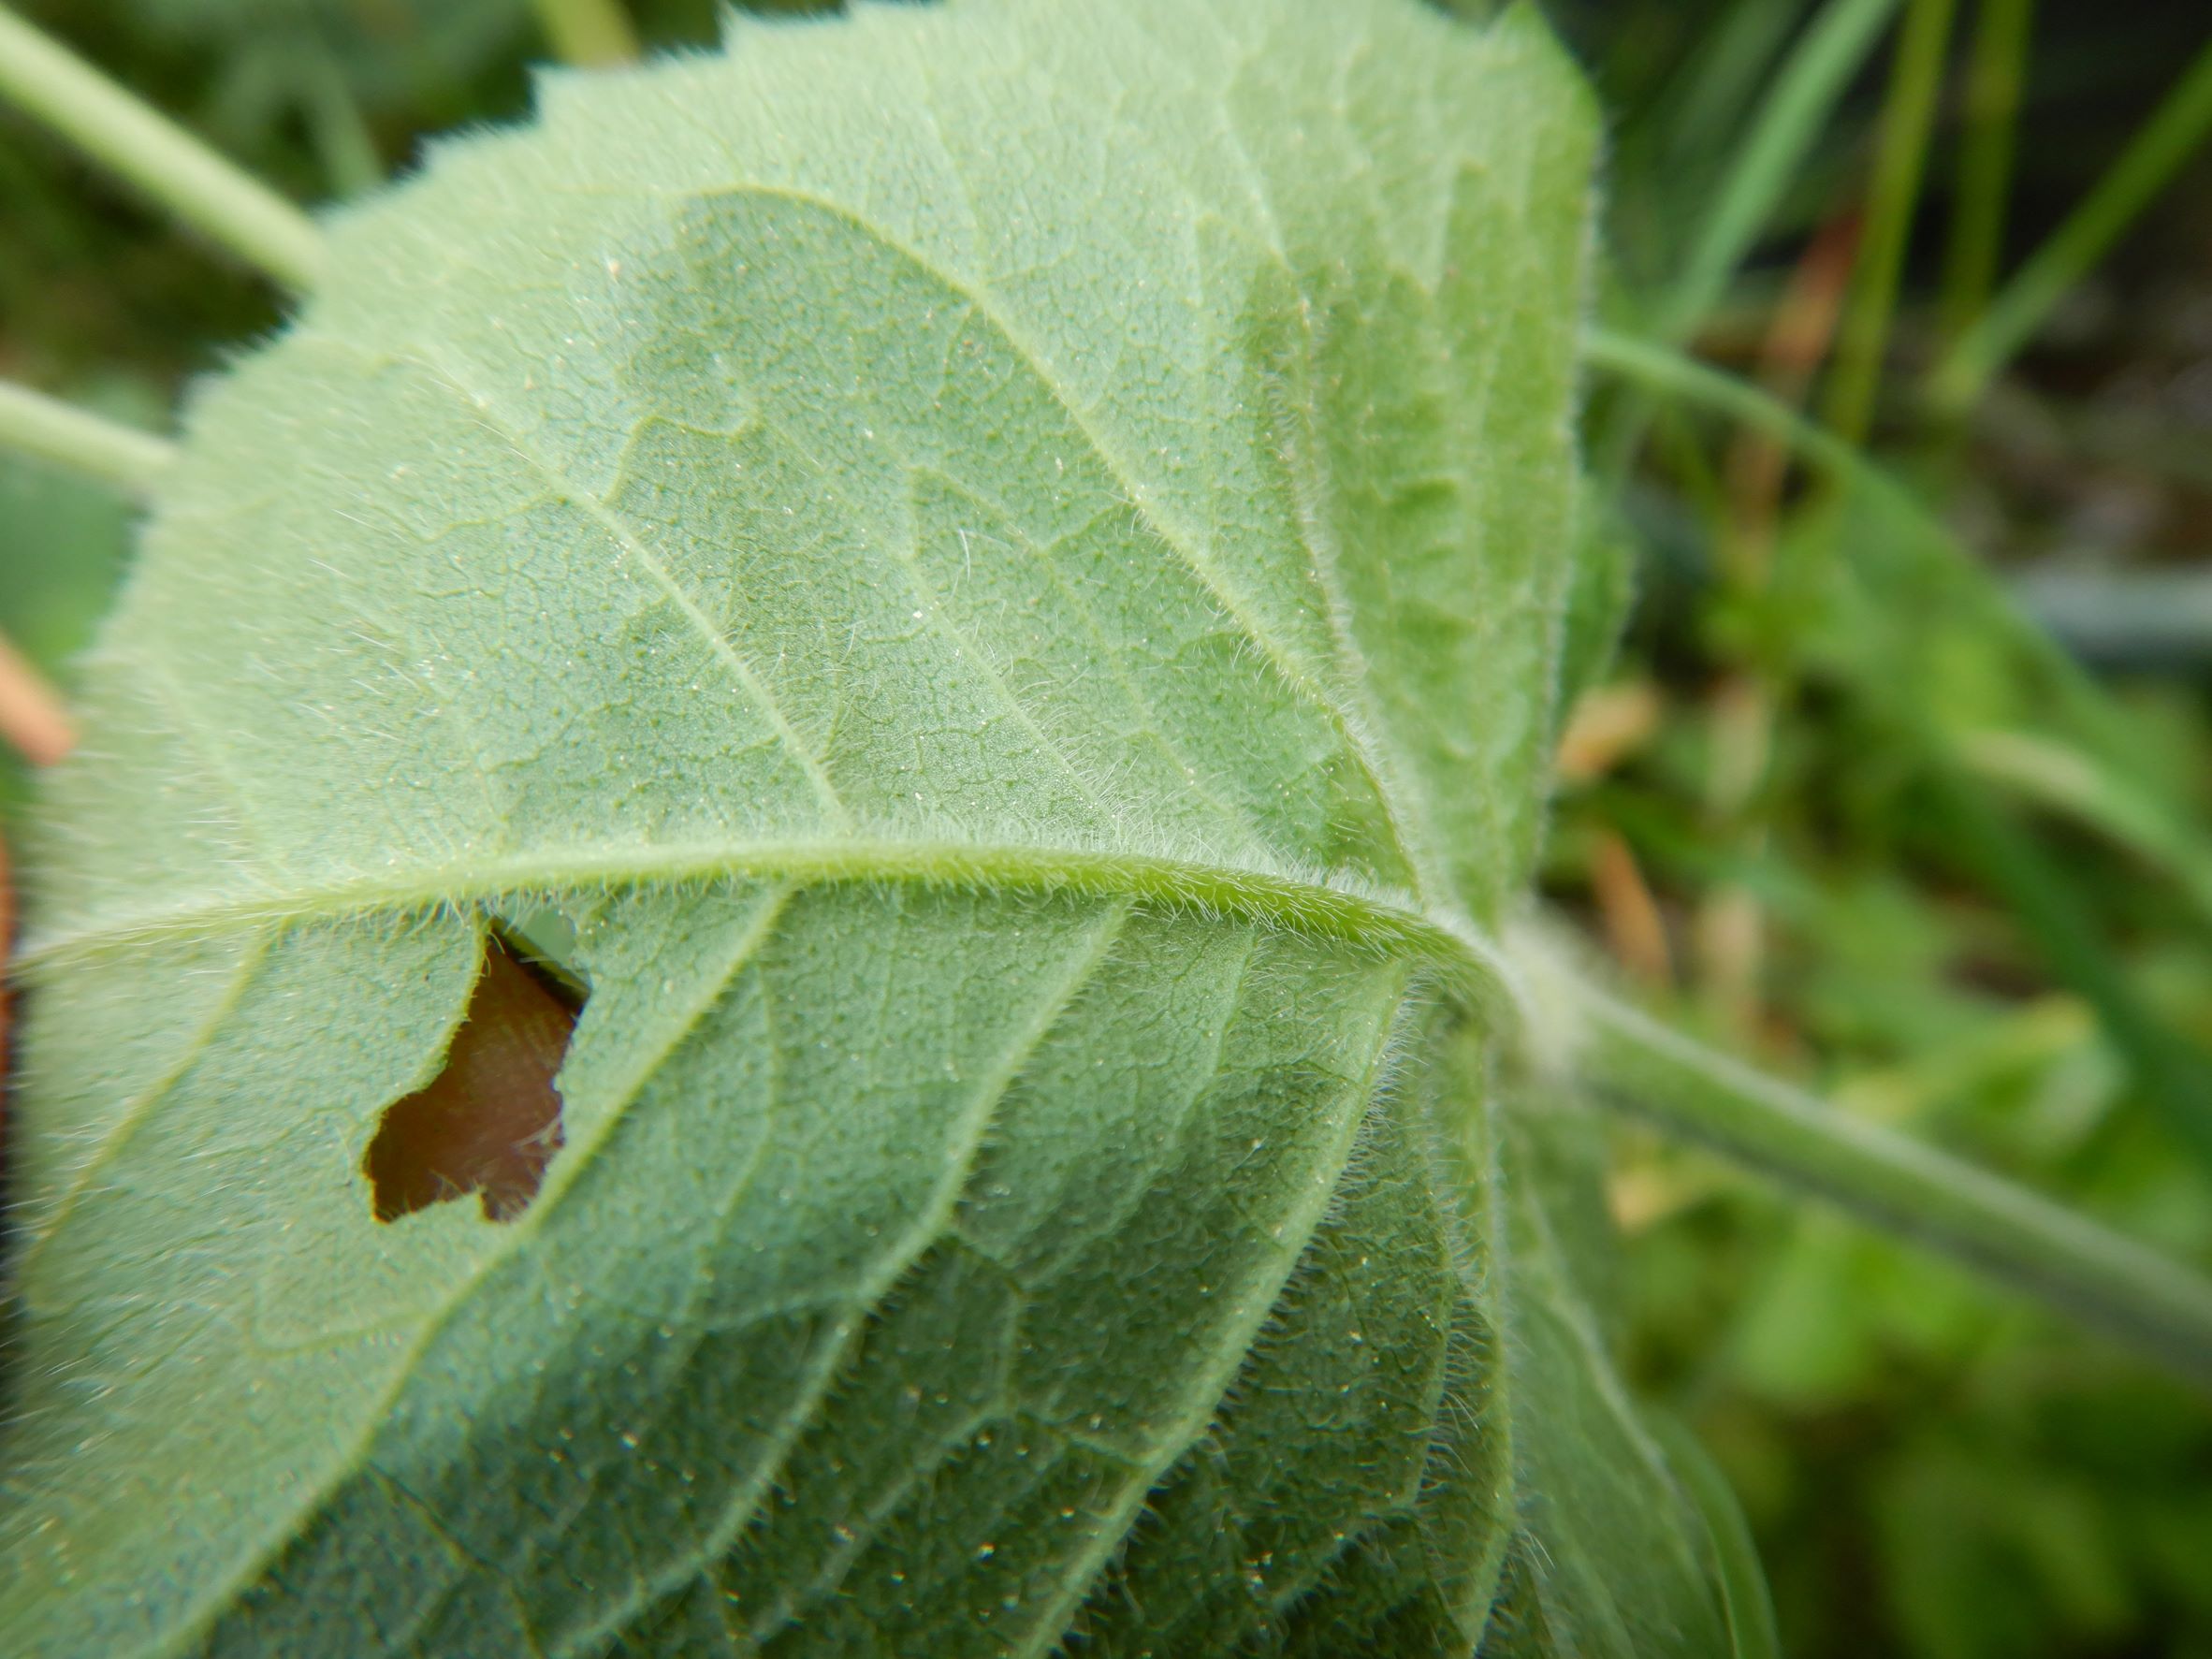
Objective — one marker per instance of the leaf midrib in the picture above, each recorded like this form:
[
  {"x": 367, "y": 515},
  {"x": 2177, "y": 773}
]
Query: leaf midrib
[{"x": 1308, "y": 904}]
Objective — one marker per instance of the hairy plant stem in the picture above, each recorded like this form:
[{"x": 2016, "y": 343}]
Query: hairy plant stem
[
  {"x": 1973, "y": 1218},
  {"x": 33, "y": 424},
  {"x": 2001, "y": 1230},
  {"x": 121, "y": 131}
]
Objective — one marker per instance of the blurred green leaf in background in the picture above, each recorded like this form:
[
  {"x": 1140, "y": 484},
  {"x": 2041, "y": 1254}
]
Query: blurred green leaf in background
[{"x": 1884, "y": 831}]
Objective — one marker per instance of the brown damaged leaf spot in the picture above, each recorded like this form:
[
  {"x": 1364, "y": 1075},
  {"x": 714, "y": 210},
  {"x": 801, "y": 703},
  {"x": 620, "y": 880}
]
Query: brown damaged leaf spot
[{"x": 490, "y": 1122}]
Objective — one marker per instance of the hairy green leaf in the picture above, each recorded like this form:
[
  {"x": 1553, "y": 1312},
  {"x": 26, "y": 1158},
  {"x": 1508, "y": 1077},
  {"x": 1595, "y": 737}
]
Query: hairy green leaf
[
  {"x": 989, "y": 583},
  {"x": 1616, "y": 1558}
]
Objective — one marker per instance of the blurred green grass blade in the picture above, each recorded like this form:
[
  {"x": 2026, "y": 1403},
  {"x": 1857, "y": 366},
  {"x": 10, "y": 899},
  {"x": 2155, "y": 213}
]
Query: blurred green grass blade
[
  {"x": 128, "y": 136},
  {"x": 1723, "y": 79},
  {"x": 1805, "y": 92},
  {"x": 2008, "y": 1234},
  {"x": 1674, "y": 145},
  {"x": 1671, "y": 373},
  {"x": 1919, "y": 581},
  {"x": 589, "y": 34},
  {"x": 1995, "y": 75},
  {"x": 2174, "y": 131},
  {"x": 1901, "y": 163},
  {"x": 88, "y": 444},
  {"x": 1923, "y": 550},
  {"x": 2059, "y": 777},
  {"x": 336, "y": 126},
  {"x": 2175, "y": 1076}
]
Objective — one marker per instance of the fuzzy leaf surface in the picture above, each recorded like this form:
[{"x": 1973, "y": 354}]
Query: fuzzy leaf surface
[{"x": 997, "y": 572}]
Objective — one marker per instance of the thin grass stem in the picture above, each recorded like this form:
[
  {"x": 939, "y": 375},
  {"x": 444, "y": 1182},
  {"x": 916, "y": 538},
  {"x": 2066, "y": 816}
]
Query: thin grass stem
[
  {"x": 1664, "y": 369},
  {"x": 1806, "y": 88},
  {"x": 61, "y": 91},
  {"x": 1805, "y": 91},
  {"x": 1995, "y": 75},
  {"x": 1900, "y": 162},
  {"x": 2174, "y": 1073},
  {"x": 1665, "y": 372},
  {"x": 2059, "y": 777},
  {"x": 2167, "y": 140}
]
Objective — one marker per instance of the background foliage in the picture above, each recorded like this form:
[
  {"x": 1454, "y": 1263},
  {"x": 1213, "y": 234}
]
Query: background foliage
[{"x": 1749, "y": 829}]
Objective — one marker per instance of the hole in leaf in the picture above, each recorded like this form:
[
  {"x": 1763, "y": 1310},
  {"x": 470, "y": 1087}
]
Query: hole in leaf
[{"x": 490, "y": 1122}]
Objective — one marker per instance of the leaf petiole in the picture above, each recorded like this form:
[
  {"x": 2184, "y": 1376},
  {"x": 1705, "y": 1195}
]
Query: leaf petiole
[
  {"x": 2003, "y": 1230},
  {"x": 33, "y": 424},
  {"x": 61, "y": 92}
]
